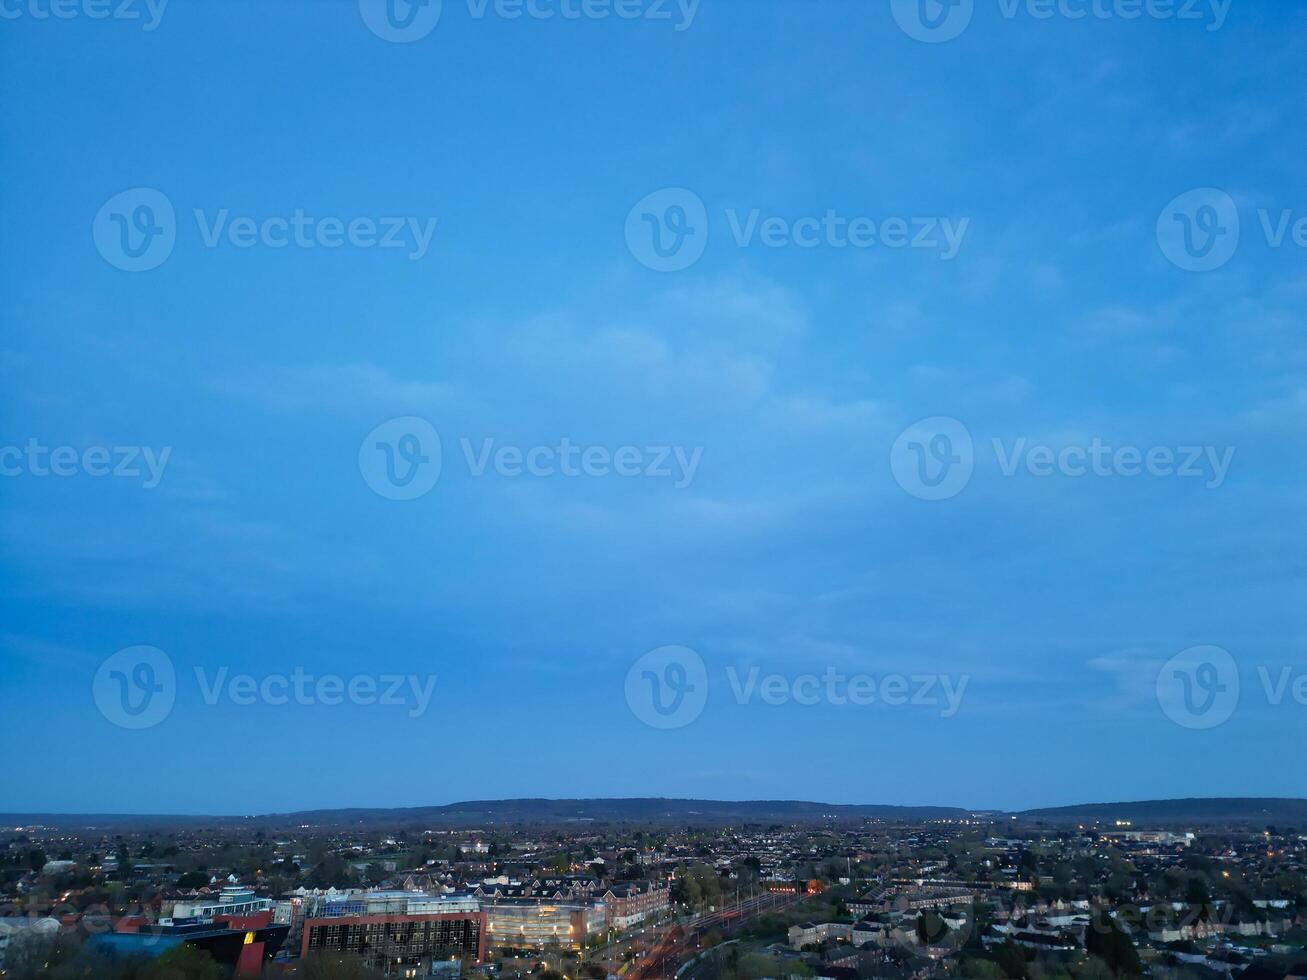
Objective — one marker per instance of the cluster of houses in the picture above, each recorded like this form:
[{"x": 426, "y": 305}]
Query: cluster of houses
[{"x": 893, "y": 919}]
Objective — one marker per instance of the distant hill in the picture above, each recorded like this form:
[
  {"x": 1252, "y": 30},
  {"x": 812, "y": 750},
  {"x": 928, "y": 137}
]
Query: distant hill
[
  {"x": 478, "y": 813},
  {"x": 632, "y": 810},
  {"x": 117, "y": 821},
  {"x": 657, "y": 810},
  {"x": 1215, "y": 810}
]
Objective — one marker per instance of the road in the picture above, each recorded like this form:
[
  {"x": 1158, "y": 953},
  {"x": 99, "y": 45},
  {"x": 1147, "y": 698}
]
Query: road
[{"x": 681, "y": 941}]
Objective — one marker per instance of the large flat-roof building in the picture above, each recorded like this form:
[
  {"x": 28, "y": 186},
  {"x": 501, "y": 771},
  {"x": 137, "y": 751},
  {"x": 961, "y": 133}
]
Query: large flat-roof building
[
  {"x": 398, "y": 932},
  {"x": 530, "y": 923}
]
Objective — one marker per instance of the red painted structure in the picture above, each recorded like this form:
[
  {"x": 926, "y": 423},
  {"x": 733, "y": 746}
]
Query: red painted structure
[{"x": 250, "y": 963}]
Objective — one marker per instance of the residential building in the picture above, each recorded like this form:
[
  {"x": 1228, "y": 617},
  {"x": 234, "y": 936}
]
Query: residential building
[
  {"x": 810, "y": 933},
  {"x": 630, "y": 902}
]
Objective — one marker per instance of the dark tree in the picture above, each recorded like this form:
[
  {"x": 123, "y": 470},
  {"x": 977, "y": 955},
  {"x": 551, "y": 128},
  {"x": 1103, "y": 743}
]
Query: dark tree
[{"x": 1106, "y": 940}]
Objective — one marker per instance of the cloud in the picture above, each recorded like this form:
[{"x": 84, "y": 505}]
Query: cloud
[
  {"x": 42, "y": 651},
  {"x": 741, "y": 308},
  {"x": 346, "y": 389},
  {"x": 1125, "y": 321},
  {"x": 1133, "y": 673},
  {"x": 808, "y": 413}
]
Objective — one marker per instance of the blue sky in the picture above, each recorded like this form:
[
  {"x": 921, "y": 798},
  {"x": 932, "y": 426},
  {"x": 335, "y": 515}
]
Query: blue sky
[{"x": 531, "y": 318}]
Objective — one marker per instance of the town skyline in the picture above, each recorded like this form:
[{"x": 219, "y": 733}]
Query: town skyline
[{"x": 542, "y": 810}]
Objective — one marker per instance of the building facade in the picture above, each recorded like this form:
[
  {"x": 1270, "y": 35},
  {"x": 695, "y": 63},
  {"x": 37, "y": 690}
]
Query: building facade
[
  {"x": 632, "y": 902},
  {"x": 811, "y": 933},
  {"x": 529, "y": 923},
  {"x": 404, "y": 944},
  {"x": 230, "y": 901}
]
